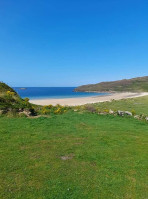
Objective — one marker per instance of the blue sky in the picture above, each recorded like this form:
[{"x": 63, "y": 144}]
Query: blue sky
[{"x": 72, "y": 42}]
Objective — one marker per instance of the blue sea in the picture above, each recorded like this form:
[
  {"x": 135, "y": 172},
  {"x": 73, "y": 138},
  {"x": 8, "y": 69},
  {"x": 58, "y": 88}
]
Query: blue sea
[{"x": 52, "y": 92}]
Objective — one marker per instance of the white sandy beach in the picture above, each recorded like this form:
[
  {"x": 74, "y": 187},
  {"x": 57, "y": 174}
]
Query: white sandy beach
[{"x": 87, "y": 100}]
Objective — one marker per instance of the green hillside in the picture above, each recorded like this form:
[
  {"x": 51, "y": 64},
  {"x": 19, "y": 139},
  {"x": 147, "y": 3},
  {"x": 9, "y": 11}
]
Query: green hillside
[
  {"x": 8, "y": 97},
  {"x": 4, "y": 88},
  {"x": 12, "y": 103},
  {"x": 139, "y": 84}
]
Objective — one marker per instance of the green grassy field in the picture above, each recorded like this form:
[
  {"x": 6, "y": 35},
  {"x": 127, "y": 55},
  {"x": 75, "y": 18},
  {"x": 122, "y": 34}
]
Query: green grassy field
[
  {"x": 139, "y": 105},
  {"x": 74, "y": 155}
]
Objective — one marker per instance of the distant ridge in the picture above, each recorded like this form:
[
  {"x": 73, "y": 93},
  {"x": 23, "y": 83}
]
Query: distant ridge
[{"x": 139, "y": 84}]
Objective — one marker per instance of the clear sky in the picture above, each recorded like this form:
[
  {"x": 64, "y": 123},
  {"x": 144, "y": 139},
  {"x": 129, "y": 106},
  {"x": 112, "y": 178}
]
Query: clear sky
[{"x": 72, "y": 42}]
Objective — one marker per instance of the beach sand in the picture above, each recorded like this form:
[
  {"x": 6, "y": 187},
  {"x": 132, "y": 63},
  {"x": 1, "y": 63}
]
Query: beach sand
[{"x": 87, "y": 100}]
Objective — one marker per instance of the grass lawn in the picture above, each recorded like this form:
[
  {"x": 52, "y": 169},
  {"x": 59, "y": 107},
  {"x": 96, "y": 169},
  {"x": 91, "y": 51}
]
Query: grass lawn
[
  {"x": 139, "y": 104},
  {"x": 73, "y": 156}
]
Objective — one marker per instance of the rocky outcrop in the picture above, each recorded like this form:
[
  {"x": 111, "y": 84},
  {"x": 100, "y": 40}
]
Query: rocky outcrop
[
  {"x": 20, "y": 111},
  {"x": 26, "y": 112}
]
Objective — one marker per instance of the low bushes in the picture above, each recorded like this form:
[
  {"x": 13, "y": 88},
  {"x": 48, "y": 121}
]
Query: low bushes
[{"x": 58, "y": 109}]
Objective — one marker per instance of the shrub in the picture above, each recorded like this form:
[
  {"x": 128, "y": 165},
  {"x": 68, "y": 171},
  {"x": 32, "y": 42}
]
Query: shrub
[
  {"x": 10, "y": 93},
  {"x": 12, "y": 113},
  {"x": 50, "y": 106},
  {"x": 133, "y": 112},
  {"x": 26, "y": 99},
  {"x": 58, "y": 111},
  {"x": 22, "y": 115},
  {"x": 90, "y": 108},
  {"x": 106, "y": 110},
  {"x": 45, "y": 110},
  {"x": 98, "y": 110},
  {"x": 78, "y": 108},
  {"x": 58, "y": 106}
]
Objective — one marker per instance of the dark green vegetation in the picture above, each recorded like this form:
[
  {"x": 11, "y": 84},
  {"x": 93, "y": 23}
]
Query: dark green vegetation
[
  {"x": 11, "y": 103},
  {"x": 73, "y": 156},
  {"x": 139, "y": 84}
]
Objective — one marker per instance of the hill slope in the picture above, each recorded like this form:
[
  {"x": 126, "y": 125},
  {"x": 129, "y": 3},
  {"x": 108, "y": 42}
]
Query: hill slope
[
  {"x": 10, "y": 101},
  {"x": 4, "y": 88},
  {"x": 139, "y": 84}
]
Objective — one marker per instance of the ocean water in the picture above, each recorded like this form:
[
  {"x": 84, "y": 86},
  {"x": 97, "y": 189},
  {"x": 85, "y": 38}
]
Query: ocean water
[{"x": 52, "y": 92}]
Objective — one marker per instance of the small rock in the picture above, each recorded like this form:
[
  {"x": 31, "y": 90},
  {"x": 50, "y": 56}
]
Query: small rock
[
  {"x": 27, "y": 112},
  {"x": 102, "y": 113},
  {"x": 111, "y": 111},
  {"x": 128, "y": 113},
  {"x": 146, "y": 118},
  {"x": 120, "y": 113},
  {"x": 137, "y": 117},
  {"x": 142, "y": 117},
  {"x": 68, "y": 157}
]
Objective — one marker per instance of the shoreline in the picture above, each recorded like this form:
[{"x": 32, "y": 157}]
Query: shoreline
[{"x": 87, "y": 100}]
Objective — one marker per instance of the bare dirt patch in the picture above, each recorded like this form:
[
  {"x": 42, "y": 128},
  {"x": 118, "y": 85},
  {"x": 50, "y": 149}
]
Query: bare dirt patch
[{"x": 67, "y": 157}]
